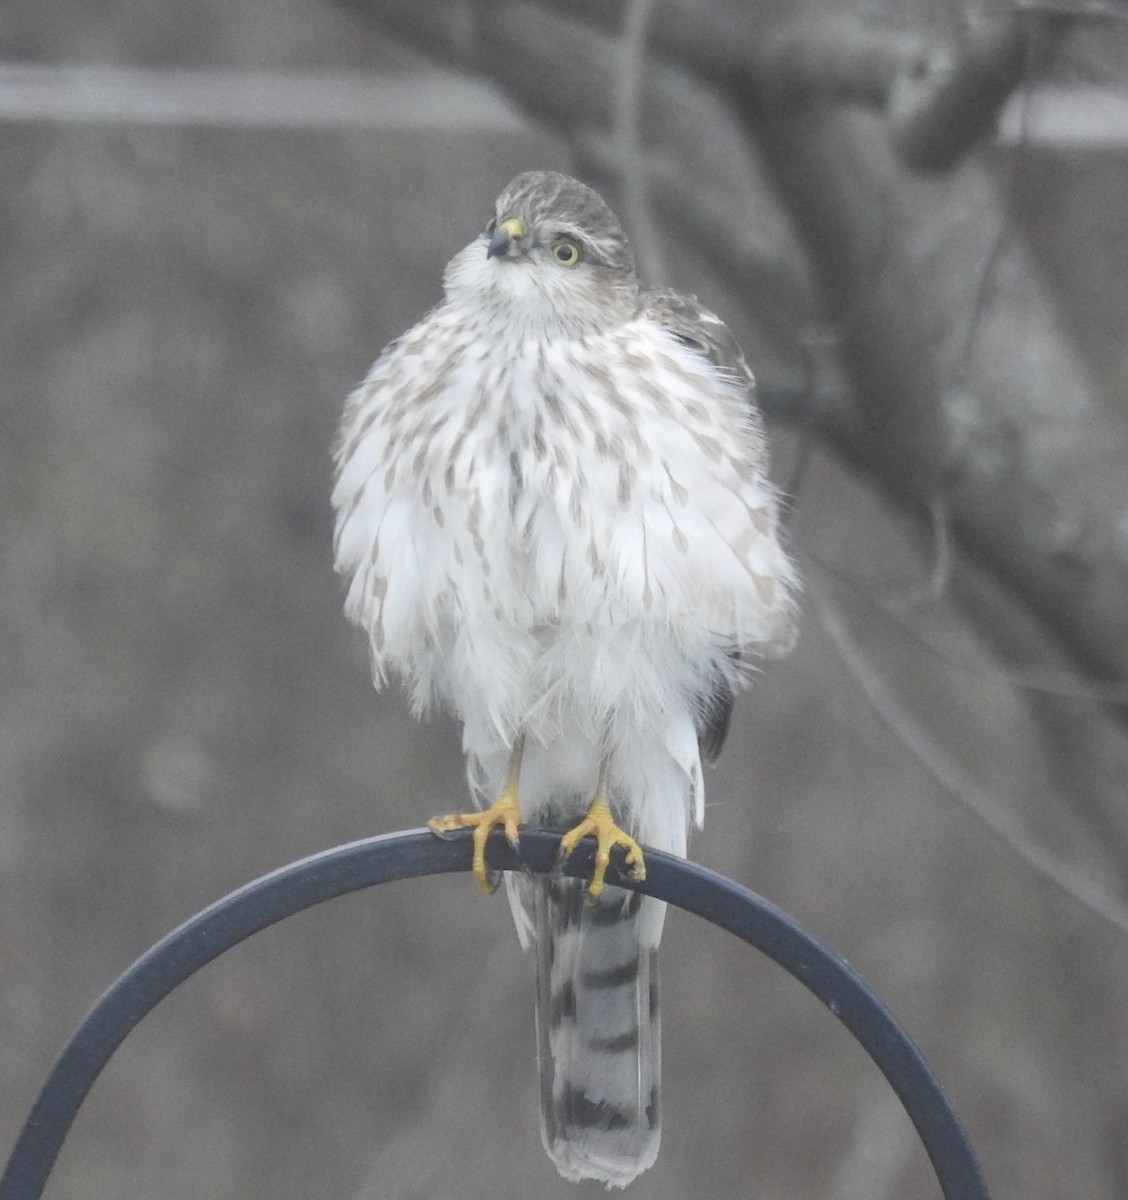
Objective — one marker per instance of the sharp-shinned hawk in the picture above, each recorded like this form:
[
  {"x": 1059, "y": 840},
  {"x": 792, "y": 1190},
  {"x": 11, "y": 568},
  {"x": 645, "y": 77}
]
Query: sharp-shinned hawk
[{"x": 553, "y": 506}]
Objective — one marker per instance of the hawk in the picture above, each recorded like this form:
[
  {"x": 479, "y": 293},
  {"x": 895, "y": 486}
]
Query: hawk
[{"x": 553, "y": 509}]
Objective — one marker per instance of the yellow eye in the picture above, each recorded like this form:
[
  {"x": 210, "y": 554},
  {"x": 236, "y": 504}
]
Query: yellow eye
[{"x": 565, "y": 251}]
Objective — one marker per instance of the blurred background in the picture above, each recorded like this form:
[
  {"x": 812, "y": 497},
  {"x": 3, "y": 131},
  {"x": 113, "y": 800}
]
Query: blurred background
[{"x": 214, "y": 214}]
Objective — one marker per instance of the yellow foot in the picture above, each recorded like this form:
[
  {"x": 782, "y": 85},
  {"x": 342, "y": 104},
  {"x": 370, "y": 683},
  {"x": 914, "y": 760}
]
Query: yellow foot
[
  {"x": 504, "y": 812},
  {"x": 607, "y": 834}
]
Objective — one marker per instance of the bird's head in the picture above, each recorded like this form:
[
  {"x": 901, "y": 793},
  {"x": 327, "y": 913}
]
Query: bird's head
[{"x": 553, "y": 252}]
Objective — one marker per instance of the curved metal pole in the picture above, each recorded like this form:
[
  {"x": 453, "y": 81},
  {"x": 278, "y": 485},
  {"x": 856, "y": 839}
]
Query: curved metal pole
[{"x": 378, "y": 860}]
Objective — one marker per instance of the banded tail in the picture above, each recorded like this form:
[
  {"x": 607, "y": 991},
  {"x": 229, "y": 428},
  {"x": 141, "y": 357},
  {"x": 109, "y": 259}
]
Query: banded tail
[{"x": 598, "y": 1029}]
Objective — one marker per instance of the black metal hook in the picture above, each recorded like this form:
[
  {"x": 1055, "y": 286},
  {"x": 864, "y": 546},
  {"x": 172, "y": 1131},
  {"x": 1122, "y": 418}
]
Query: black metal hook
[{"x": 377, "y": 860}]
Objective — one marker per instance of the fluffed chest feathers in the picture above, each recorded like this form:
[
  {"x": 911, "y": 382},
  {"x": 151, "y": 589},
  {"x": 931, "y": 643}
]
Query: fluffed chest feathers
[{"x": 531, "y": 473}]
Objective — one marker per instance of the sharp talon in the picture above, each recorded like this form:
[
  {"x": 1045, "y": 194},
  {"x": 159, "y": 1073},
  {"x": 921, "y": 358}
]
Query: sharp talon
[
  {"x": 441, "y": 830},
  {"x": 633, "y": 867},
  {"x": 504, "y": 813},
  {"x": 601, "y": 824}
]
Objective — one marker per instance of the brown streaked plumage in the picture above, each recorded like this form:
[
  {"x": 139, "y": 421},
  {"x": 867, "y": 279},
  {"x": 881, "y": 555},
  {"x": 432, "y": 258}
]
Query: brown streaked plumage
[{"x": 554, "y": 514}]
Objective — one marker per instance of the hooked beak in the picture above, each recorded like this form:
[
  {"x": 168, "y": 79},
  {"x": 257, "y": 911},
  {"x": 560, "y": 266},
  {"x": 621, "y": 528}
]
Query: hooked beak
[{"x": 504, "y": 238}]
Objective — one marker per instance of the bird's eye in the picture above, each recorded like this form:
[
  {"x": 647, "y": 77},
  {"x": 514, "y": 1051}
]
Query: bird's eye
[
  {"x": 565, "y": 251},
  {"x": 491, "y": 224}
]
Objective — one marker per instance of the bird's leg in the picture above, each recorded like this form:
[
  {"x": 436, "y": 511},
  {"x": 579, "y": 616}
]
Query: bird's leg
[
  {"x": 601, "y": 824},
  {"x": 504, "y": 811}
]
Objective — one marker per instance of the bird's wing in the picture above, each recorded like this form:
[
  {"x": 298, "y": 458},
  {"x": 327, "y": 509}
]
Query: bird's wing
[{"x": 700, "y": 329}]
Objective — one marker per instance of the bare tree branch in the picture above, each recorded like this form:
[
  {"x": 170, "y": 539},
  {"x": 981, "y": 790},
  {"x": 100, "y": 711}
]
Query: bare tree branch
[
  {"x": 954, "y": 101},
  {"x": 628, "y": 144},
  {"x": 1030, "y": 460},
  {"x": 1071, "y": 881}
]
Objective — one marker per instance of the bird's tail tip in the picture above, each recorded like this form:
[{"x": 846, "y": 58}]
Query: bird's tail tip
[
  {"x": 587, "y": 1157},
  {"x": 598, "y": 1031}
]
